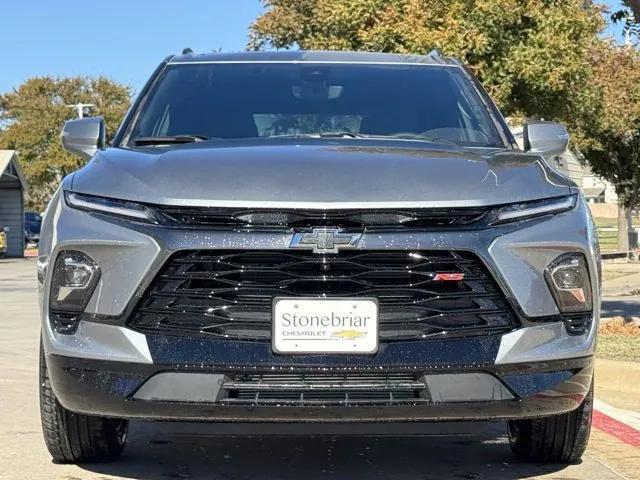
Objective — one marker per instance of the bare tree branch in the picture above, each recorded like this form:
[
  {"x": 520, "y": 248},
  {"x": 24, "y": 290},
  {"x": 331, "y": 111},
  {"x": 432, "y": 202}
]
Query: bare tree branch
[{"x": 634, "y": 5}]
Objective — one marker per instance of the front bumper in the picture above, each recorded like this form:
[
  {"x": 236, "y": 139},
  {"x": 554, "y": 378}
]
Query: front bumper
[
  {"x": 116, "y": 389},
  {"x": 98, "y": 369}
]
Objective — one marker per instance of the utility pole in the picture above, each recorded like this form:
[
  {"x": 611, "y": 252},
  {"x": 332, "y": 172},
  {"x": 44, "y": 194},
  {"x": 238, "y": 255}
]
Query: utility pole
[{"x": 80, "y": 108}]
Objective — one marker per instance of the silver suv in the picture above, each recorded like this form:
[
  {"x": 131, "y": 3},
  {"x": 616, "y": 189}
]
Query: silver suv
[{"x": 316, "y": 237}]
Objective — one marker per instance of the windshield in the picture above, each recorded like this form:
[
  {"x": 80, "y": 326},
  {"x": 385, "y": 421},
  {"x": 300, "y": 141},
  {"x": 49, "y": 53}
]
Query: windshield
[{"x": 216, "y": 100}]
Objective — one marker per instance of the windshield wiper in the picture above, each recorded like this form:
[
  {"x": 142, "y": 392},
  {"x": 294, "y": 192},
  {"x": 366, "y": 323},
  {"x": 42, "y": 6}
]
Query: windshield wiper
[
  {"x": 392, "y": 136},
  {"x": 169, "y": 139},
  {"x": 340, "y": 134},
  {"x": 319, "y": 135},
  {"x": 425, "y": 138}
]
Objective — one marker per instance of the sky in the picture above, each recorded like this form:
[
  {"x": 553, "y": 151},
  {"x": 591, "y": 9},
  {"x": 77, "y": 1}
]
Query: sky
[{"x": 123, "y": 40}]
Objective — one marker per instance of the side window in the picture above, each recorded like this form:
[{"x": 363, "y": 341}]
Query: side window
[
  {"x": 156, "y": 118},
  {"x": 473, "y": 113},
  {"x": 161, "y": 126}
]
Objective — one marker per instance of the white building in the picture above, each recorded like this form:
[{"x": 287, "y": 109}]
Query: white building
[
  {"x": 12, "y": 188},
  {"x": 596, "y": 189}
]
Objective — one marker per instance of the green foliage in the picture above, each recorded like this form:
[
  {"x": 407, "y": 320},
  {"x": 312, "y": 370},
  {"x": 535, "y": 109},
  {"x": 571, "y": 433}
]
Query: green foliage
[
  {"x": 529, "y": 54},
  {"x": 33, "y": 115},
  {"x": 537, "y": 58},
  {"x": 629, "y": 16},
  {"x": 612, "y": 138}
]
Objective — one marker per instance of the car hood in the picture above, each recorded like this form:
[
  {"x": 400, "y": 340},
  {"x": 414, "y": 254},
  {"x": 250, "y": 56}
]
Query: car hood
[{"x": 339, "y": 174}]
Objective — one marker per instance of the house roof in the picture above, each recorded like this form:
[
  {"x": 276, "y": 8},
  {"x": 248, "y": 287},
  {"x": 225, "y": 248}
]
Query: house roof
[{"x": 8, "y": 157}]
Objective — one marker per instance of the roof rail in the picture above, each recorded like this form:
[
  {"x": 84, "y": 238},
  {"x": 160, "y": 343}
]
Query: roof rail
[{"x": 435, "y": 53}]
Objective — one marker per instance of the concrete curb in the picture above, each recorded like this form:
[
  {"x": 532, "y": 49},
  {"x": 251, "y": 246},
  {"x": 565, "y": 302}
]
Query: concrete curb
[
  {"x": 627, "y": 417},
  {"x": 624, "y": 425}
]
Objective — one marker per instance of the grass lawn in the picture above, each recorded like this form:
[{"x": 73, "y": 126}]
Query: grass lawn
[
  {"x": 606, "y": 222},
  {"x": 619, "y": 339},
  {"x": 619, "y": 347},
  {"x": 609, "y": 239},
  {"x": 613, "y": 274},
  {"x": 613, "y": 222}
]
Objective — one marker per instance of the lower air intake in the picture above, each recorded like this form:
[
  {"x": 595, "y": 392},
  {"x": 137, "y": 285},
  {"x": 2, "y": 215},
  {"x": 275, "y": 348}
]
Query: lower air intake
[{"x": 329, "y": 389}]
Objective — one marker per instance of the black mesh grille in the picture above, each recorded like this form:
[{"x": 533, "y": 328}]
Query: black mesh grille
[
  {"x": 229, "y": 294},
  {"x": 325, "y": 389},
  {"x": 297, "y": 218}
]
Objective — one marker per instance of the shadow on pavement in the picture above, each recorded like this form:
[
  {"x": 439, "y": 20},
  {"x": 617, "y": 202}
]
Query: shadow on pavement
[
  {"x": 621, "y": 306},
  {"x": 153, "y": 453}
]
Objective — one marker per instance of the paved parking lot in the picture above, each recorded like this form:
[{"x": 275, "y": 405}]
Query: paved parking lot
[{"x": 167, "y": 451}]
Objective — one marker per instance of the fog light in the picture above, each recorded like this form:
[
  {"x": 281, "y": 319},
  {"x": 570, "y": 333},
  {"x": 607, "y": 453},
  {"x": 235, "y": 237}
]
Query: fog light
[
  {"x": 568, "y": 280},
  {"x": 74, "y": 279},
  {"x": 76, "y": 274}
]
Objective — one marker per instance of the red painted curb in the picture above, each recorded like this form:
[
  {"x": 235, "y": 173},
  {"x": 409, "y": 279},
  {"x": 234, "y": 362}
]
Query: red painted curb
[{"x": 613, "y": 427}]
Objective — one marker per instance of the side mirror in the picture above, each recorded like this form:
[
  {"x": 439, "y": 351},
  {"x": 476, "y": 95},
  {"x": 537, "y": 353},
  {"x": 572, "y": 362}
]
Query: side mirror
[
  {"x": 545, "y": 138},
  {"x": 83, "y": 136}
]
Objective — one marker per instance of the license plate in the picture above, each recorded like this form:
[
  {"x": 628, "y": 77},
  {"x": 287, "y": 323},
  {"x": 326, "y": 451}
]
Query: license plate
[{"x": 325, "y": 325}]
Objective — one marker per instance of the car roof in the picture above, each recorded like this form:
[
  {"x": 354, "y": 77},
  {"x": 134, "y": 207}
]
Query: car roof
[{"x": 432, "y": 58}]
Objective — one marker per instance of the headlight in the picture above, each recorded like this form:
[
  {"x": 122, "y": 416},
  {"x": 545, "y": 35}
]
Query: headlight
[
  {"x": 74, "y": 279},
  {"x": 119, "y": 208},
  {"x": 521, "y": 211},
  {"x": 569, "y": 282},
  {"x": 41, "y": 268}
]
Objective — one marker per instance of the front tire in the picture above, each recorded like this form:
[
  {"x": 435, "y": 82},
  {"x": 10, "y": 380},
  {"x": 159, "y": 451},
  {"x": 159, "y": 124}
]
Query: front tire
[
  {"x": 554, "y": 439},
  {"x": 75, "y": 438}
]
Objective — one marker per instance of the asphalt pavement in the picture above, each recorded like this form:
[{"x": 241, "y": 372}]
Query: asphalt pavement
[
  {"x": 170, "y": 451},
  {"x": 625, "y": 306}
]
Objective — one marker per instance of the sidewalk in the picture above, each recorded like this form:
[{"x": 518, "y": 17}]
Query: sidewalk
[
  {"x": 616, "y": 415},
  {"x": 618, "y": 383}
]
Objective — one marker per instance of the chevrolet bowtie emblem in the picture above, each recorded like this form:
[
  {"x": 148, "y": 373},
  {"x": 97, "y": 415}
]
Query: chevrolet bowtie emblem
[
  {"x": 348, "y": 334},
  {"x": 325, "y": 240}
]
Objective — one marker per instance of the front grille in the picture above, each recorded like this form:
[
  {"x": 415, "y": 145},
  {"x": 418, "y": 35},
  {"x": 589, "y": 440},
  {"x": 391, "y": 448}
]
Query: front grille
[
  {"x": 372, "y": 219},
  {"x": 229, "y": 293},
  {"x": 325, "y": 389}
]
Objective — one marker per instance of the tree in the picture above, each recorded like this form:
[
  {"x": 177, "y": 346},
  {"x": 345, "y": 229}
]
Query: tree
[
  {"x": 537, "y": 58},
  {"x": 634, "y": 5},
  {"x": 612, "y": 133},
  {"x": 529, "y": 54},
  {"x": 629, "y": 16},
  {"x": 33, "y": 115}
]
